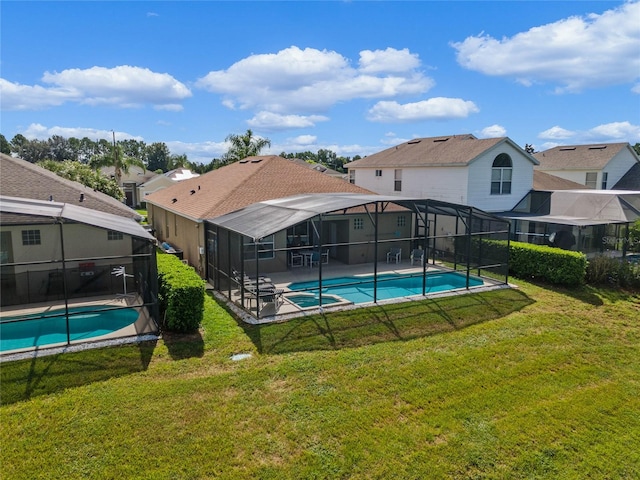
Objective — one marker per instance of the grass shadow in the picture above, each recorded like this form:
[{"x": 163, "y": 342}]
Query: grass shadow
[
  {"x": 184, "y": 345},
  {"x": 384, "y": 323},
  {"x": 592, "y": 295},
  {"x": 25, "y": 379}
]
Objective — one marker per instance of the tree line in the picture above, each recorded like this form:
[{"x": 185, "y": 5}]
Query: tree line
[{"x": 155, "y": 157}]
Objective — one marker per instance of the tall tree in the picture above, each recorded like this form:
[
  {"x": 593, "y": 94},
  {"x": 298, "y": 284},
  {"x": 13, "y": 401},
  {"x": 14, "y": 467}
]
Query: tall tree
[
  {"x": 5, "y": 147},
  {"x": 157, "y": 155},
  {"x": 636, "y": 147},
  {"x": 529, "y": 149},
  {"x": 243, "y": 146},
  {"x": 117, "y": 159}
]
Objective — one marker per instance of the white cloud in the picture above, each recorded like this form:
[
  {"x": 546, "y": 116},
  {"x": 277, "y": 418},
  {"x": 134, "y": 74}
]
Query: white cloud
[
  {"x": 41, "y": 132},
  {"x": 26, "y": 97},
  {"x": 624, "y": 131},
  {"x": 605, "y": 133},
  {"x": 493, "y": 131},
  {"x": 636, "y": 88},
  {"x": 270, "y": 122},
  {"x": 556, "y": 133},
  {"x": 305, "y": 139},
  {"x": 294, "y": 80},
  {"x": 389, "y": 60},
  {"x": 122, "y": 86},
  {"x": 438, "y": 108},
  {"x": 576, "y": 52}
]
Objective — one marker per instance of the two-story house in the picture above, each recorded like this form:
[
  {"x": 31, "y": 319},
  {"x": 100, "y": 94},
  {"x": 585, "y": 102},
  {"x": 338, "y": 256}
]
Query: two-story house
[
  {"x": 596, "y": 166},
  {"x": 491, "y": 174}
]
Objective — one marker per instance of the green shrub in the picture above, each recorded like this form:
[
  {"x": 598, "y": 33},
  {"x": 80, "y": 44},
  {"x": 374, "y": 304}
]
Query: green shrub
[
  {"x": 181, "y": 294},
  {"x": 615, "y": 272},
  {"x": 553, "y": 265}
]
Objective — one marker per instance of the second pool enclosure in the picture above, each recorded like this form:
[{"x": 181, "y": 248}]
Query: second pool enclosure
[{"x": 256, "y": 254}]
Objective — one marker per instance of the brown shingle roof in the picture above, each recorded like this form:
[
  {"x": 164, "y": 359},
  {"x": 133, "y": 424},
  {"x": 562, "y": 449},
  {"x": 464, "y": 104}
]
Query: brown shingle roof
[
  {"x": 252, "y": 180},
  {"x": 568, "y": 157},
  {"x": 453, "y": 150},
  {"x": 546, "y": 181},
  {"x": 630, "y": 180},
  {"x": 19, "y": 178}
]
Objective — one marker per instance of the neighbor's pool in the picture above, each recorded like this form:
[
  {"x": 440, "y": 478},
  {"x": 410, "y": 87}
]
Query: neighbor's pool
[
  {"x": 360, "y": 289},
  {"x": 50, "y": 327}
]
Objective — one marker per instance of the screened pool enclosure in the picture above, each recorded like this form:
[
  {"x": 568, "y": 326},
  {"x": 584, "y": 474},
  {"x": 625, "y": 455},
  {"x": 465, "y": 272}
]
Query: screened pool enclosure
[
  {"x": 380, "y": 247},
  {"x": 73, "y": 274}
]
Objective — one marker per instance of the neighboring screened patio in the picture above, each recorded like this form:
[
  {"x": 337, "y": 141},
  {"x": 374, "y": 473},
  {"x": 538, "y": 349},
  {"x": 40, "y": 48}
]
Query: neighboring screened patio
[
  {"x": 262, "y": 256},
  {"x": 73, "y": 274}
]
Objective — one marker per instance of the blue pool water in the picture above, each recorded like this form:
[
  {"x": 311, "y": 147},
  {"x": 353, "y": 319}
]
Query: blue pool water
[
  {"x": 360, "y": 289},
  {"x": 51, "y": 327}
]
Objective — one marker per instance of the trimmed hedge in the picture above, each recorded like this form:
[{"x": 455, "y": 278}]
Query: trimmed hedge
[
  {"x": 181, "y": 293},
  {"x": 553, "y": 265}
]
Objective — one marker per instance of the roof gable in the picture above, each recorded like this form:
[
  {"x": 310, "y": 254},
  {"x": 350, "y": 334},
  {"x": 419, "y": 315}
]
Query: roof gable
[
  {"x": 251, "y": 180},
  {"x": 449, "y": 151},
  {"x": 22, "y": 179}
]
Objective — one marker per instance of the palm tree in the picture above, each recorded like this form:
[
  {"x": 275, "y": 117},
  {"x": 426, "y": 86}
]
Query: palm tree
[
  {"x": 116, "y": 158},
  {"x": 243, "y": 146}
]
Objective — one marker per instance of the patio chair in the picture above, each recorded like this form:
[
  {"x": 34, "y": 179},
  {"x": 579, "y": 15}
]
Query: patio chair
[
  {"x": 297, "y": 259},
  {"x": 314, "y": 259},
  {"x": 394, "y": 254},
  {"x": 272, "y": 300},
  {"x": 417, "y": 255}
]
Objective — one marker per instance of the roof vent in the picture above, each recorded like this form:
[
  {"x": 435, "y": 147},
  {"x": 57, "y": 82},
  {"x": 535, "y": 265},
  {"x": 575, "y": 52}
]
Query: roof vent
[
  {"x": 256, "y": 160},
  {"x": 564, "y": 149},
  {"x": 411, "y": 142},
  {"x": 82, "y": 197},
  {"x": 440, "y": 140},
  {"x": 192, "y": 192},
  {"x": 174, "y": 200},
  {"x": 598, "y": 147},
  {"x": 243, "y": 161}
]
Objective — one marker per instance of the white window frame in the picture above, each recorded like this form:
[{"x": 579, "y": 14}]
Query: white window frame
[{"x": 591, "y": 180}]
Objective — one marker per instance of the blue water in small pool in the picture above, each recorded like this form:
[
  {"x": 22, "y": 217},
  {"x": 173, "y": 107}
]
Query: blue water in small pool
[
  {"x": 360, "y": 289},
  {"x": 51, "y": 327},
  {"x": 304, "y": 301}
]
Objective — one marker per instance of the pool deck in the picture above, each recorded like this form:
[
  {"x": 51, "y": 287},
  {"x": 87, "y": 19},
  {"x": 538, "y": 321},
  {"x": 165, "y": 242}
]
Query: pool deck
[{"x": 289, "y": 310}]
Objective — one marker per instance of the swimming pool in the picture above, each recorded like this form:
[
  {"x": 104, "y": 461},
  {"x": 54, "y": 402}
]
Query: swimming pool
[
  {"x": 50, "y": 327},
  {"x": 360, "y": 289}
]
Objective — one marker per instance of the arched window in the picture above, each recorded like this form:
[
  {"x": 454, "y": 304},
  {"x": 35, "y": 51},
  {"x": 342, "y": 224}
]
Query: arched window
[{"x": 501, "y": 172}]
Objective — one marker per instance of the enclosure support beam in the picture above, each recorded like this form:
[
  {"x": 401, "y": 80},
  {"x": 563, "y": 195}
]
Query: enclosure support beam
[{"x": 64, "y": 282}]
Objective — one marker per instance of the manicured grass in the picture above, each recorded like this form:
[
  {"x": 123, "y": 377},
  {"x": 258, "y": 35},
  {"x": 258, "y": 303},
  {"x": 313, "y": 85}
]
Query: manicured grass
[{"x": 527, "y": 383}]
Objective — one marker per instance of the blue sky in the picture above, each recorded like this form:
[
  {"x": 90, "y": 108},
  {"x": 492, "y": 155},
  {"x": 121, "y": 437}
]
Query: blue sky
[{"x": 353, "y": 77}]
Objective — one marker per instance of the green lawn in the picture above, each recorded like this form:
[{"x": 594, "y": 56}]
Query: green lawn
[{"x": 527, "y": 383}]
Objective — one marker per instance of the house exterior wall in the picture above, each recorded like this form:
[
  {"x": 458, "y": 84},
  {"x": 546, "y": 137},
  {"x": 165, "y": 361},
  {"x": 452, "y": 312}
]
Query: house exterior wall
[
  {"x": 84, "y": 243},
  {"x": 388, "y": 229},
  {"x": 153, "y": 185},
  {"x": 448, "y": 184},
  {"x": 479, "y": 174},
  {"x": 181, "y": 233},
  {"x": 617, "y": 168}
]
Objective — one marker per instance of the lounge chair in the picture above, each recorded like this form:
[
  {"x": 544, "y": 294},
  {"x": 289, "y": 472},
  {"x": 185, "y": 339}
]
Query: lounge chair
[
  {"x": 417, "y": 255},
  {"x": 394, "y": 254}
]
